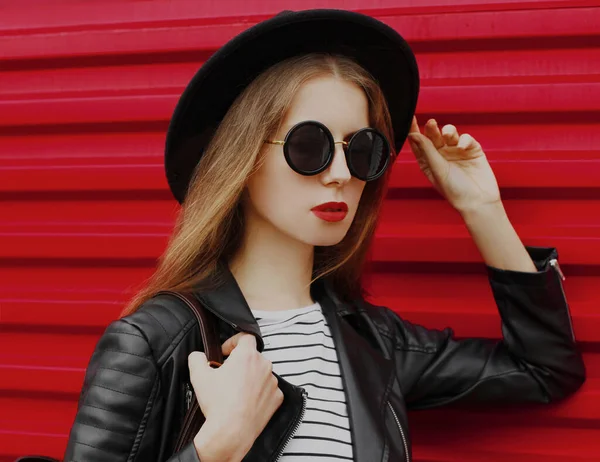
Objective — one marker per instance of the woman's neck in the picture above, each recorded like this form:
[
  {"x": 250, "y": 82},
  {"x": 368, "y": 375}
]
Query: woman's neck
[{"x": 272, "y": 269}]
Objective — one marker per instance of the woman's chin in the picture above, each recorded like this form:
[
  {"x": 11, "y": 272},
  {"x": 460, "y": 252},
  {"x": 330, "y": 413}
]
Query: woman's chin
[{"x": 329, "y": 237}]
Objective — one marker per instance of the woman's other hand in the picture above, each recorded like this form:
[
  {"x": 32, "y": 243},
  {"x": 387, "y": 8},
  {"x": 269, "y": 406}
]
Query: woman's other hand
[
  {"x": 455, "y": 164},
  {"x": 238, "y": 399}
]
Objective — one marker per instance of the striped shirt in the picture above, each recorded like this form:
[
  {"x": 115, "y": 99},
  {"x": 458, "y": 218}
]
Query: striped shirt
[{"x": 299, "y": 344}]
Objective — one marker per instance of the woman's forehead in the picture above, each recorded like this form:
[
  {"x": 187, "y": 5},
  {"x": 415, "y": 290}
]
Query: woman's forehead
[{"x": 340, "y": 105}]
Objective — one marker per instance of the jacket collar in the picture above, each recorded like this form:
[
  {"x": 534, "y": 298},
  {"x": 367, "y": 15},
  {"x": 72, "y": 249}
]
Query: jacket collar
[{"x": 225, "y": 299}]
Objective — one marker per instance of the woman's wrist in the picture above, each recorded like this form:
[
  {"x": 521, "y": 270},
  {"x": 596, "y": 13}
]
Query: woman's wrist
[
  {"x": 496, "y": 238},
  {"x": 212, "y": 445}
]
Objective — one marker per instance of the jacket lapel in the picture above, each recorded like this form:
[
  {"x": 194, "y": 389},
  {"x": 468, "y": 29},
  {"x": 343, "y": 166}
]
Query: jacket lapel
[
  {"x": 226, "y": 300},
  {"x": 366, "y": 375}
]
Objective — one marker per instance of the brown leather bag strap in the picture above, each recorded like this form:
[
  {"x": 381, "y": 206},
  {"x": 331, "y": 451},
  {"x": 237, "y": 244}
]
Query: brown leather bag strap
[
  {"x": 209, "y": 331},
  {"x": 207, "y": 322}
]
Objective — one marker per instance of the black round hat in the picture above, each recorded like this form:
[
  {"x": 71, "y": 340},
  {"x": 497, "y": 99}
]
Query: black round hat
[{"x": 212, "y": 90}]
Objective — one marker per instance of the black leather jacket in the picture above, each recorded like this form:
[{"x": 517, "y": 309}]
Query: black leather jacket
[{"x": 133, "y": 398}]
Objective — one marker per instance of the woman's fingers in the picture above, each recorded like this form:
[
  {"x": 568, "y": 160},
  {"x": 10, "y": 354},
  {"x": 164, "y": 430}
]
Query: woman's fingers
[
  {"x": 433, "y": 133},
  {"x": 466, "y": 142},
  {"x": 414, "y": 126},
  {"x": 450, "y": 135},
  {"x": 431, "y": 162}
]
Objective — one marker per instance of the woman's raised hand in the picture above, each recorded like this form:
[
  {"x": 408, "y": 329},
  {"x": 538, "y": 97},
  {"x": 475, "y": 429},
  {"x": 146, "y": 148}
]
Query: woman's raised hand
[
  {"x": 455, "y": 164},
  {"x": 238, "y": 399}
]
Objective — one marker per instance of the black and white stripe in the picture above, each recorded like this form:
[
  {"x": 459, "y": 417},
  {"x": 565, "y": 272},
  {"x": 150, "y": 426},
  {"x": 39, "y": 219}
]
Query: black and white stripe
[{"x": 299, "y": 344}]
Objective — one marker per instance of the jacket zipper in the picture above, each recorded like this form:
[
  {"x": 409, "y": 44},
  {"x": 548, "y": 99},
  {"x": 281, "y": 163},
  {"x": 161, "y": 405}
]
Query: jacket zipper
[
  {"x": 185, "y": 427},
  {"x": 401, "y": 432},
  {"x": 296, "y": 426},
  {"x": 554, "y": 263},
  {"x": 188, "y": 396}
]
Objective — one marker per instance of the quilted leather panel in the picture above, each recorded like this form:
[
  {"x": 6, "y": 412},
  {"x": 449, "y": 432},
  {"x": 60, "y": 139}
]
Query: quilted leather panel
[
  {"x": 121, "y": 405},
  {"x": 164, "y": 321},
  {"x": 119, "y": 380}
]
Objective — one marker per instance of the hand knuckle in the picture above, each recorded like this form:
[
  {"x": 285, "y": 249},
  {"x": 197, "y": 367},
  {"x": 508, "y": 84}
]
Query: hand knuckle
[
  {"x": 279, "y": 396},
  {"x": 268, "y": 364}
]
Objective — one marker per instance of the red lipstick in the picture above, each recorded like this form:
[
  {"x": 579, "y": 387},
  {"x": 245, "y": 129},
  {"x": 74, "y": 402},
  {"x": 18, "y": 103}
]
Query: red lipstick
[{"x": 331, "y": 211}]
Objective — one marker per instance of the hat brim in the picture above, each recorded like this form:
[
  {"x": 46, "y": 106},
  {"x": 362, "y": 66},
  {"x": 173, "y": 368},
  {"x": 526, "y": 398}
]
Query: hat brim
[{"x": 212, "y": 90}]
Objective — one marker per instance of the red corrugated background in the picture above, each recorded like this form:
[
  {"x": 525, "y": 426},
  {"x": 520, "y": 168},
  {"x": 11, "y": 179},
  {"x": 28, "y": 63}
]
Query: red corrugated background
[{"x": 86, "y": 91}]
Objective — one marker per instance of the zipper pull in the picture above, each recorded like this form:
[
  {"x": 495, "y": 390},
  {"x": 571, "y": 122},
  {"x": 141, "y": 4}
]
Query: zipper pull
[
  {"x": 556, "y": 266},
  {"x": 188, "y": 396}
]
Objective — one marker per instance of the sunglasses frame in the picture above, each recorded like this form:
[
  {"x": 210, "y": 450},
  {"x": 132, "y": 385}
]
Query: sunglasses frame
[{"x": 332, "y": 143}]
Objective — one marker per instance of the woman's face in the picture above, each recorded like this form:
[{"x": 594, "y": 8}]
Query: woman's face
[{"x": 286, "y": 200}]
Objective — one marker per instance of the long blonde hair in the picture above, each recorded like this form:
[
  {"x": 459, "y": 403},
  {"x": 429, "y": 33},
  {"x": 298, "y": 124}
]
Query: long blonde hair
[{"x": 210, "y": 224}]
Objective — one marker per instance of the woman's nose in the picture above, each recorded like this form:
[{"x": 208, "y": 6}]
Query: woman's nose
[{"x": 338, "y": 171}]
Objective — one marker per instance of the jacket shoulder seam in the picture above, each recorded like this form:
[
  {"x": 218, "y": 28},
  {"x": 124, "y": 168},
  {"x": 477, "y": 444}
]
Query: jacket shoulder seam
[
  {"x": 161, "y": 356},
  {"x": 187, "y": 327},
  {"x": 370, "y": 313},
  {"x": 150, "y": 315},
  {"x": 414, "y": 348},
  {"x": 398, "y": 346}
]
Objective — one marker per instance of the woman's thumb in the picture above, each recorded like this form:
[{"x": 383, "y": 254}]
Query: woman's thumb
[
  {"x": 197, "y": 363},
  {"x": 232, "y": 342}
]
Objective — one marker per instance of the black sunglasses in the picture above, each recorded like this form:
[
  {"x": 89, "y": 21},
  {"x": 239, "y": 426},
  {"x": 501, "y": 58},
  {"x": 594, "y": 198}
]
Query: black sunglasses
[{"x": 309, "y": 148}]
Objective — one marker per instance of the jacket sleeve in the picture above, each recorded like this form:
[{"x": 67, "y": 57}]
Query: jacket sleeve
[
  {"x": 536, "y": 361},
  {"x": 118, "y": 402}
]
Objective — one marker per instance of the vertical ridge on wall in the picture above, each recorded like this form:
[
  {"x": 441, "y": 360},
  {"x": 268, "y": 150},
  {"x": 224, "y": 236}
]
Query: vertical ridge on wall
[{"x": 86, "y": 92}]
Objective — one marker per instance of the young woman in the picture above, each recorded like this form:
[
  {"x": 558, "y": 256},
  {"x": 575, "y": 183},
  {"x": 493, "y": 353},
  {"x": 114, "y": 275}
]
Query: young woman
[{"x": 279, "y": 151}]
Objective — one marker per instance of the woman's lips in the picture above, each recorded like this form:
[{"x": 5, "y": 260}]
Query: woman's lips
[{"x": 331, "y": 211}]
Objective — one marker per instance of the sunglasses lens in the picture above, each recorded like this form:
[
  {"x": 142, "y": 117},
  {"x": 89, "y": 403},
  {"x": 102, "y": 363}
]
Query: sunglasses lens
[
  {"x": 308, "y": 148},
  {"x": 368, "y": 154}
]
